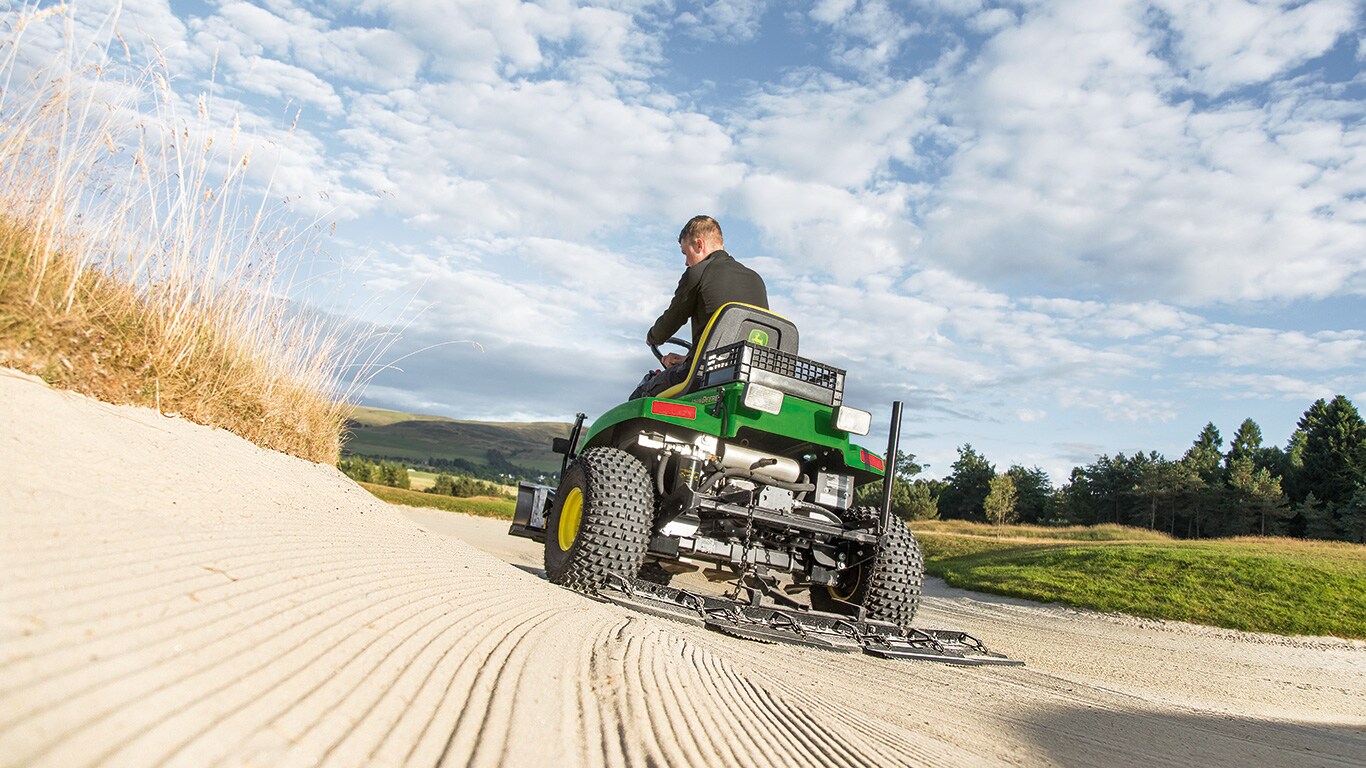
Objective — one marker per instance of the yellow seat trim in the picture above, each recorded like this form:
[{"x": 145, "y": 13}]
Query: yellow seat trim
[{"x": 677, "y": 389}]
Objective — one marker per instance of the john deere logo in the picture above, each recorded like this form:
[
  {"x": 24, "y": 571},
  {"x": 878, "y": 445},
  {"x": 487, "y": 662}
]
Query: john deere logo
[{"x": 759, "y": 337}]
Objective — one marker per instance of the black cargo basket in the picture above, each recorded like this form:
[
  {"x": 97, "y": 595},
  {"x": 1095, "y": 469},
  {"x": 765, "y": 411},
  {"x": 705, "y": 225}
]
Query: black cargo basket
[{"x": 789, "y": 374}]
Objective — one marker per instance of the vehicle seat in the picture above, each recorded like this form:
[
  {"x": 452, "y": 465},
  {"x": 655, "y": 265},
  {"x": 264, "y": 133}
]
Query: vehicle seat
[{"x": 733, "y": 323}]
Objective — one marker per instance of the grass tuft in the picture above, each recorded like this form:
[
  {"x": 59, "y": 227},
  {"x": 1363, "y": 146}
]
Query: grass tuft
[{"x": 133, "y": 265}]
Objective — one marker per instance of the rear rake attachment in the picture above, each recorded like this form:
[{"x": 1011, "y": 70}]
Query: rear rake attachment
[{"x": 813, "y": 629}]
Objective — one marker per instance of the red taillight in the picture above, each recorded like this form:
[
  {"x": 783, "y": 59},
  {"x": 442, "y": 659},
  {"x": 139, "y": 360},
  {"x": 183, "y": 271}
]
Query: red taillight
[
  {"x": 871, "y": 459},
  {"x": 676, "y": 410}
]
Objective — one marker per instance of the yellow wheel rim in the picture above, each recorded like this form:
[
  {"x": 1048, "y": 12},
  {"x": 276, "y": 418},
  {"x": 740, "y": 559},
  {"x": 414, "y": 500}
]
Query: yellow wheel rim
[{"x": 571, "y": 514}]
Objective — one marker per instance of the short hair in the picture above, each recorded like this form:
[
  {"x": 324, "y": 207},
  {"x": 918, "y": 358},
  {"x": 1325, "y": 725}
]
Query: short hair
[{"x": 704, "y": 227}]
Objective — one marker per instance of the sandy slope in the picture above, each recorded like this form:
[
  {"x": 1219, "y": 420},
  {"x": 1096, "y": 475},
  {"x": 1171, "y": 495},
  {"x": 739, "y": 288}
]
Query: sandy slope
[{"x": 170, "y": 595}]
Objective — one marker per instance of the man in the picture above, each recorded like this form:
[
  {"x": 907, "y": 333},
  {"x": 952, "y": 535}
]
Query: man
[{"x": 712, "y": 278}]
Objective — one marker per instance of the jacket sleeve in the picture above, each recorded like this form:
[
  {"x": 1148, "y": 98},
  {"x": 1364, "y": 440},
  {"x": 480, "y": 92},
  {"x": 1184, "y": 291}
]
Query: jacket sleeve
[{"x": 679, "y": 311}]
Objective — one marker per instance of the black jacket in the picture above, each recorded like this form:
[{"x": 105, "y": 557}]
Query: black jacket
[{"x": 703, "y": 288}]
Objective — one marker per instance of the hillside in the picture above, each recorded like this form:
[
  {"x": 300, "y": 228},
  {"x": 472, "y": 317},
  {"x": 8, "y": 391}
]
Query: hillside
[{"x": 416, "y": 437}]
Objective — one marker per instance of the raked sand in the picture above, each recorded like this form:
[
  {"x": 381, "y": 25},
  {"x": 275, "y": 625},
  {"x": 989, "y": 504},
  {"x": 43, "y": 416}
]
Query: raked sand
[{"x": 172, "y": 595}]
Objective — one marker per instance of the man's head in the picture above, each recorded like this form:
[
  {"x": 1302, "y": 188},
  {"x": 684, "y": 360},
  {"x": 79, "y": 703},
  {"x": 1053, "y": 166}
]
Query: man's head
[{"x": 700, "y": 236}]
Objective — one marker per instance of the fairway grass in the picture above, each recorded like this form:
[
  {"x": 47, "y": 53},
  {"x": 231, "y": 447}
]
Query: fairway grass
[
  {"x": 479, "y": 506},
  {"x": 1282, "y": 586},
  {"x": 420, "y": 480}
]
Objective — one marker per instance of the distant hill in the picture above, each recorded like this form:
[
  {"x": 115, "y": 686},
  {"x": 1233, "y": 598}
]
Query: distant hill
[{"x": 483, "y": 447}]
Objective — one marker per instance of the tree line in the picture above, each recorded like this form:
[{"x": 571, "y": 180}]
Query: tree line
[
  {"x": 1313, "y": 487},
  {"x": 498, "y": 468},
  {"x": 381, "y": 472},
  {"x": 395, "y": 475}
]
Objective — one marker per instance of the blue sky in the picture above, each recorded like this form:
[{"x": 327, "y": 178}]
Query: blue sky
[{"x": 1054, "y": 229}]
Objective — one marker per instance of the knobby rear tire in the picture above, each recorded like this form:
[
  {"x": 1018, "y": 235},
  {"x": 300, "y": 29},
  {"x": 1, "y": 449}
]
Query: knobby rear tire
[
  {"x": 617, "y": 509},
  {"x": 898, "y": 576}
]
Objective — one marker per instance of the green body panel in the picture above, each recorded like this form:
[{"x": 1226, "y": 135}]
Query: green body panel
[{"x": 721, "y": 413}]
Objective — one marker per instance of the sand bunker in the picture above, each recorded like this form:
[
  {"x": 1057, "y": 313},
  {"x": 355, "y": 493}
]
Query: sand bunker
[{"x": 172, "y": 595}]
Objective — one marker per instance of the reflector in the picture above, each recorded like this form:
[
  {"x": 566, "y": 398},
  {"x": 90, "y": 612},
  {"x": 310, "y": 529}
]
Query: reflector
[{"x": 676, "y": 410}]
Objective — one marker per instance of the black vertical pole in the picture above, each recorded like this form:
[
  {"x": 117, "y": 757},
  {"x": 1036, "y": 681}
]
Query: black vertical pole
[
  {"x": 573, "y": 443},
  {"x": 889, "y": 469}
]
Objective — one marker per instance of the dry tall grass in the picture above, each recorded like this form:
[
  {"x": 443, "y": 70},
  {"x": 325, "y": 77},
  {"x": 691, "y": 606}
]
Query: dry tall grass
[{"x": 133, "y": 264}]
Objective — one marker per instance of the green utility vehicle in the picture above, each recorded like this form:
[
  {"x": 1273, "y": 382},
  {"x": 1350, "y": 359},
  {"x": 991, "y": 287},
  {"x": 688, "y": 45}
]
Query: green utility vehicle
[{"x": 745, "y": 470}]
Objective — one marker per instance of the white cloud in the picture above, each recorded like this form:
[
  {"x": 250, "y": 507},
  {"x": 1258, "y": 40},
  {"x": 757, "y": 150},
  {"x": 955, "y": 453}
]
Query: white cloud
[
  {"x": 1243, "y": 347},
  {"x": 1116, "y": 320},
  {"x": 843, "y": 234},
  {"x": 482, "y": 41},
  {"x": 992, "y": 21},
  {"x": 730, "y": 21},
  {"x": 537, "y": 158},
  {"x": 1225, "y": 44},
  {"x": 832, "y": 131},
  {"x": 374, "y": 57},
  {"x": 1082, "y": 174},
  {"x": 869, "y": 33},
  {"x": 253, "y": 28},
  {"x": 1269, "y": 386},
  {"x": 285, "y": 81},
  {"x": 1118, "y": 406},
  {"x": 368, "y": 57}
]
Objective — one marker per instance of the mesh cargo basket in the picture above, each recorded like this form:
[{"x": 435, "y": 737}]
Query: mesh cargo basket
[{"x": 789, "y": 374}]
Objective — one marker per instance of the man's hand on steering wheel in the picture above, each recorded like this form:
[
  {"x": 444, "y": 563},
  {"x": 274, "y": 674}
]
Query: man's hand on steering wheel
[{"x": 672, "y": 358}]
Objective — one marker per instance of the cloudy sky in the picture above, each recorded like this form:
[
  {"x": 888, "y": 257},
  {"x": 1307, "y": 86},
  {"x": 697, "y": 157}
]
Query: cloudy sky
[{"x": 1054, "y": 229}]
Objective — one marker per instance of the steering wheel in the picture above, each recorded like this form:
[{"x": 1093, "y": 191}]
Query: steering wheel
[{"x": 673, "y": 340}]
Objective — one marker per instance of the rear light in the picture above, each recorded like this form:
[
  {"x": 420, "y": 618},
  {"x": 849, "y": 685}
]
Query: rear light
[
  {"x": 852, "y": 420},
  {"x": 676, "y": 410},
  {"x": 761, "y": 398},
  {"x": 871, "y": 459}
]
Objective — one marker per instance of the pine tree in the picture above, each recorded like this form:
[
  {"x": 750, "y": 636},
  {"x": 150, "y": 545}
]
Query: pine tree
[
  {"x": 1334, "y": 450},
  {"x": 1205, "y": 455},
  {"x": 1352, "y": 517},
  {"x": 1158, "y": 486},
  {"x": 1246, "y": 443},
  {"x": 1258, "y": 504},
  {"x": 1318, "y": 518}
]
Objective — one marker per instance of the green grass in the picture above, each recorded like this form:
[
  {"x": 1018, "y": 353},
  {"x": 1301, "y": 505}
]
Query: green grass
[
  {"x": 480, "y": 506},
  {"x": 1108, "y": 532},
  {"x": 1284, "y": 586}
]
